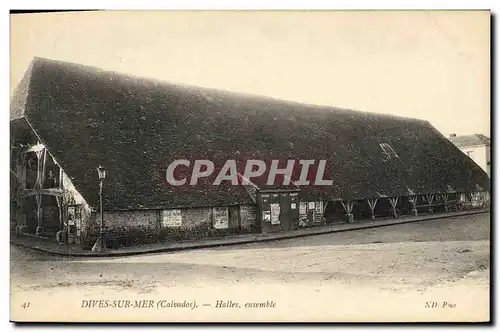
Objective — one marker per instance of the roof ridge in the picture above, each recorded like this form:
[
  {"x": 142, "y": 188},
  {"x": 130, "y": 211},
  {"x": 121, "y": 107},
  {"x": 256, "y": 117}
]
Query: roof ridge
[
  {"x": 20, "y": 94},
  {"x": 230, "y": 93}
]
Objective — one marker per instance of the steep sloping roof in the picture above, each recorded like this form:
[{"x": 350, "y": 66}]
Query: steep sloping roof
[
  {"x": 20, "y": 95},
  {"x": 135, "y": 127},
  {"x": 470, "y": 140}
]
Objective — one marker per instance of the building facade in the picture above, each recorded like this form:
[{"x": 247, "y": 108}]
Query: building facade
[
  {"x": 67, "y": 119},
  {"x": 477, "y": 147}
]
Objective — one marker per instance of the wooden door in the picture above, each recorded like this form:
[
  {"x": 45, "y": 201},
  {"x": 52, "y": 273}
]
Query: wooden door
[{"x": 285, "y": 212}]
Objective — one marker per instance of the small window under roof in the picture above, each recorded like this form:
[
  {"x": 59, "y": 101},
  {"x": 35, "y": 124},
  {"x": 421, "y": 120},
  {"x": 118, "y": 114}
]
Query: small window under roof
[{"x": 388, "y": 151}]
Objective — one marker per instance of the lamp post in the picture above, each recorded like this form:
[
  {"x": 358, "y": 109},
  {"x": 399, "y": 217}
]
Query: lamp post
[{"x": 101, "y": 171}]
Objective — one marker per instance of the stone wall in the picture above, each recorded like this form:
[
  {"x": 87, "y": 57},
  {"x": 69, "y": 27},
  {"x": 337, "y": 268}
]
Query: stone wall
[{"x": 147, "y": 218}]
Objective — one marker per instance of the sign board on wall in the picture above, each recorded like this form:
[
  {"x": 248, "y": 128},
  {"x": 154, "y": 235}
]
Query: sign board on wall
[
  {"x": 302, "y": 208},
  {"x": 266, "y": 216},
  {"x": 275, "y": 214},
  {"x": 319, "y": 207},
  {"x": 171, "y": 218},
  {"x": 318, "y": 212},
  {"x": 221, "y": 218},
  {"x": 248, "y": 213}
]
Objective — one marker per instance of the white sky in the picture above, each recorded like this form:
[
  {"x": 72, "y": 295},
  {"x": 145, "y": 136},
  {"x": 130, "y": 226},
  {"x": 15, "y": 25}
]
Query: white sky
[{"x": 428, "y": 65}]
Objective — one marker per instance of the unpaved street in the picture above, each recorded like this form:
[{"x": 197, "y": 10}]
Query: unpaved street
[{"x": 386, "y": 273}]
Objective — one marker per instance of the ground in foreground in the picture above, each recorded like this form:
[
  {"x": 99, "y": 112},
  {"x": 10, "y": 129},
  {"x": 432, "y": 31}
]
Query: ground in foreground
[{"x": 428, "y": 271}]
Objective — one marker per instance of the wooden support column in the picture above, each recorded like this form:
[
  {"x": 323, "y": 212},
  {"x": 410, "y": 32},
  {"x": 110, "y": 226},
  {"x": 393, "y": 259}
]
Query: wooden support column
[
  {"x": 325, "y": 206},
  {"x": 430, "y": 199},
  {"x": 487, "y": 199},
  {"x": 461, "y": 201},
  {"x": 413, "y": 199},
  {"x": 60, "y": 181},
  {"x": 40, "y": 177},
  {"x": 21, "y": 173},
  {"x": 60, "y": 236},
  {"x": 39, "y": 155},
  {"x": 59, "y": 207},
  {"x": 348, "y": 205},
  {"x": 44, "y": 166},
  {"x": 484, "y": 199},
  {"x": 445, "y": 201},
  {"x": 39, "y": 214},
  {"x": 394, "y": 203},
  {"x": 372, "y": 202}
]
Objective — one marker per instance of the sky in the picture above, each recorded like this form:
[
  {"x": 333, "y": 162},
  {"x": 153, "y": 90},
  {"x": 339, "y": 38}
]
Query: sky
[{"x": 427, "y": 65}]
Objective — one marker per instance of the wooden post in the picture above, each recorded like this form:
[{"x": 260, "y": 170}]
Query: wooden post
[
  {"x": 21, "y": 172},
  {"x": 413, "y": 201},
  {"x": 372, "y": 202},
  {"x": 325, "y": 206},
  {"x": 210, "y": 231},
  {"x": 40, "y": 177},
  {"x": 44, "y": 164},
  {"x": 348, "y": 205},
  {"x": 59, "y": 234},
  {"x": 430, "y": 199},
  {"x": 445, "y": 201},
  {"x": 39, "y": 172},
  {"x": 394, "y": 203},
  {"x": 461, "y": 201},
  {"x": 60, "y": 181},
  {"x": 484, "y": 198},
  {"x": 39, "y": 214},
  {"x": 59, "y": 206}
]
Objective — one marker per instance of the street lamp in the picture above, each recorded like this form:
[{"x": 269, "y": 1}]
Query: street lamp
[{"x": 101, "y": 172}]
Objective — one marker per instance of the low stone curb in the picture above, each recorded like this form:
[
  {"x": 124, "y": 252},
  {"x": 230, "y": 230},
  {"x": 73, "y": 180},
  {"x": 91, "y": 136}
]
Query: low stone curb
[{"x": 229, "y": 242}]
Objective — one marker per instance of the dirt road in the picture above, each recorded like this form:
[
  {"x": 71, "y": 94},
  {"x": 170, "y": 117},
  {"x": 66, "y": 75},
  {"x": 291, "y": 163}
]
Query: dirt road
[{"x": 433, "y": 271}]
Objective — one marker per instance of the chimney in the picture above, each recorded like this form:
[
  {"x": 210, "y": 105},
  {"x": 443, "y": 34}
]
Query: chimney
[{"x": 453, "y": 135}]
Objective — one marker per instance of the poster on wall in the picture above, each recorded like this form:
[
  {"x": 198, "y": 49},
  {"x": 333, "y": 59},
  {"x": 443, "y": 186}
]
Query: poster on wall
[
  {"x": 303, "y": 221},
  {"x": 302, "y": 208},
  {"x": 248, "y": 215},
  {"x": 319, "y": 207},
  {"x": 275, "y": 213},
  {"x": 318, "y": 212},
  {"x": 171, "y": 218},
  {"x": 266, "y": 216},
  {"x": 221, "y": 218},
  {"x": 71, "y": 215}
]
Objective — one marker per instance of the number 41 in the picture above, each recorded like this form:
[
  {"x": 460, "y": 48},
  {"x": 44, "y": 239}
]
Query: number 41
[{"x": 25, "y": 305}]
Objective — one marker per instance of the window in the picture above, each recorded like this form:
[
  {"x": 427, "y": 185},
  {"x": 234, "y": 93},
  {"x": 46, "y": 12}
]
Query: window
[
  {"x": 171, "y": 218},
  {"x": 388, "y": 151}
]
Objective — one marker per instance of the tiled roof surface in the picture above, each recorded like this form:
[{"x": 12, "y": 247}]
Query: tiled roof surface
[{"x": 135, "y": 127}]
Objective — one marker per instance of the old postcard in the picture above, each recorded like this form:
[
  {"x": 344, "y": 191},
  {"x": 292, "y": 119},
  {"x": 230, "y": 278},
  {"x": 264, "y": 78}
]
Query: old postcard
[{"x": 250, "y": 166}]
